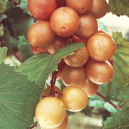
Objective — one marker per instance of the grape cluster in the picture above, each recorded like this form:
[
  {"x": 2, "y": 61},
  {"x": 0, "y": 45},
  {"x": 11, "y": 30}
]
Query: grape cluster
[{"x": 61, "y": 22}]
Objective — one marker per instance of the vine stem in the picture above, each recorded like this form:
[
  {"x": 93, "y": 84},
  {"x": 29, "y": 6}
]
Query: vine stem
[
  {"x": 115, "y": 106},
  {"x": 17, "y": 56},
  {"x": 34, "y": 125},
  {"x": 53, "y": 80}
]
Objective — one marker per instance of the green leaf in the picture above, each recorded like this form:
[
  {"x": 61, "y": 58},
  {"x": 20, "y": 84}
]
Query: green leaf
[
  {"x": 119, "y": 7},
  {"x": 24, "y": 6},
  {"x": 3, "y": 5},
  {"x": 18, "y": 98},
  {"x": 9, "y": 41},
  {"x": 24, "y": 48},
  {"x": 3, "y": 16},
  {"x": 101, "y": 26},
  {"x": 119, "y": 120},
  {"x": 40, "y": 66},
  {"x": 3, "y": 52},
  {"x": 111, "y": 91},
  {"x": 121, "y": 60},
  {"x": 123, "y": 96},
  {"x": 103, "y": 89},
  {"x": 19, "y": 22}
]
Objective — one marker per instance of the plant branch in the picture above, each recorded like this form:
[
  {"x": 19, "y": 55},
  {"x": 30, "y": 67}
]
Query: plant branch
[
  {"x": 34, "y": 125},
  {"x": 115, "y": 106},
  {"x": 53, "y": 80},
  {"x": 17, "y": 57}
]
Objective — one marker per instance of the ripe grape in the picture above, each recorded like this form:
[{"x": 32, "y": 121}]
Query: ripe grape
[
  {"x": 63, "y": 125},
  {"x": 79, "y": 58},
  {"x": 89, "y": 87},
  {"x": 80, "y": 6},
  {"x": 73, "y": 75},
  {"x": 41, "y": 9},
  {"x": 74, "y": 98},
  {"x": 99, "y": 8},
  {"x": 87, "y": 27},
  {"x": 99, "y": 72},
  {"x": 36, "y": 50},
  {"x": 47, "y": 92},
  {"x": 40, "y": 34},
  {"x": 56, "y": 44},
  {"x": 100, "y": 31},
  {"x": 76, "y": 39},
  {"x": 101, "y": 46},
  {"x": 50, "y": 112},
  {"x": 64, "y": 21}
]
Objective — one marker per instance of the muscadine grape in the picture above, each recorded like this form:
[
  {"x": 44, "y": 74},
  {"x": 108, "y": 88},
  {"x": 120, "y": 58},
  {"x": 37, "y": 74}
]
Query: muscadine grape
[
  {"x": 87, "y": 27},
  {"x": 79, "y": 58},
  {"x": 76, "y": 39},
  {"x": 47, "y": 92},
  {"x": 89, "y": 87},
  {"x": 36, "y": 50},
  {"x": 64, "y": 21},
  {"x": 63, "y": 125},
  {"x": 99, "y": 8},
  {"x": 73, "y": 75},
  {"x": 101, "y": 46},
  {"x": 40, "y": 34},
  {"x": 100, "y": 31},
  {"x": 56, "y": 44},
  {"x": 99, "y": 72},
  {"x": 41, "y": 9},
  {"x": 74, "y": 98},
  {"x": 80, "y": 6},
  {"x": 50, "y": 112}
]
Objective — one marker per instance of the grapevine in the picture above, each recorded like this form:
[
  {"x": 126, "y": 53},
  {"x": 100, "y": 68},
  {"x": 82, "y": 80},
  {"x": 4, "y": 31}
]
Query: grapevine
[{"x": 64, "y": 44}]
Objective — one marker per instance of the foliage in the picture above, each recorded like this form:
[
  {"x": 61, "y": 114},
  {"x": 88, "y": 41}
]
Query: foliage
[
  {"x": 20, "y": 92},
  {"x": 118, "y": 120},
  {"x": 119, "y": 7},
  {"x": 40, "y": 66},
  {"x": 121, "y": 69}
]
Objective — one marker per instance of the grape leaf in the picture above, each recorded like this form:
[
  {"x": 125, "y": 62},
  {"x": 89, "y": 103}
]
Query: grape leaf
[
  {"x": 103, "y": 89},
  {"x": 101, "y": 26},
  {"x": 19, "y": 22},
  {"x": 121, "y": 60},
  {"x": 24, "y": 48},
  {"x": 111, "y": 91},
  {"x": 99, "y": 103},
  {"x": 40, "y": 66},
  {"x": 18, "y": 98},
  {"x": 119, "y": 120},
  {"x": 3, "y": 52},
  {"x": 9, "y": 41},
  {"x": 3, "y": 16},
  {"x": 24, "y": 6},
  {"x": 123, "y": 96},
  {"x": 119, "y": 7},
  {"x": 3, "y": 5}
]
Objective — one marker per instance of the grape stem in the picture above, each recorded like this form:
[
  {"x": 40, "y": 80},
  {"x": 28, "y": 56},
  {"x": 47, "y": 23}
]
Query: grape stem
[
  {"x": 17, "y": 56},
  {"x": 53, "y": 80},
  {"x": 115, "y": 106},
  {"x": 34, "y": 125}
]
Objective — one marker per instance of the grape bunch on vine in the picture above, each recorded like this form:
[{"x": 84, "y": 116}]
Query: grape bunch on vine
[{"x": 61, "y": 41}]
